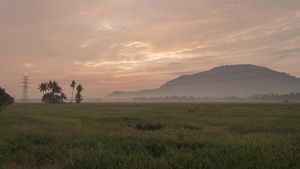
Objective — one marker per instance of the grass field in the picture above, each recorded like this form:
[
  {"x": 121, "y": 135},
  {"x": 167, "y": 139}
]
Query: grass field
[{"x": 136, "y": 135}]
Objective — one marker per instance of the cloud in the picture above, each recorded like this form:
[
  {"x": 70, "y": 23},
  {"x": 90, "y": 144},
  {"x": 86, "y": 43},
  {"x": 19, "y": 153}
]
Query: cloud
[
  {"x": 110, "y": 25},
  {"x": 27, "y": 64},
  {"x": 72, "y": 39}
]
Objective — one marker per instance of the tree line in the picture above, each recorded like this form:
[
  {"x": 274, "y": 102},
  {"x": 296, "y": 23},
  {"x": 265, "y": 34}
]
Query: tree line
[
  {"x": 52, "y": 92},
  {"x": 292, "y": 97}
]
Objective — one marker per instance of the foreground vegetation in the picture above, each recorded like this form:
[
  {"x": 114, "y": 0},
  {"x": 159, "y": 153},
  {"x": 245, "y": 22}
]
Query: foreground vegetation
[{"x": 150, "y": 136}]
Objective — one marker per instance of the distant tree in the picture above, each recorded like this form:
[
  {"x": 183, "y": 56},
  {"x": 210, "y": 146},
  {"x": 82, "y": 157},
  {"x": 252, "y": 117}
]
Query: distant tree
[
  {"x": 78, "y": 97},
  {"x": 54, "y": 94},
  {"x": 48, "y": 98},
  {"x": 73, "y": 85},
  {"x": 79, "y": 88},
  {"x": 50, "y": 85},
  {"x": 43, "y": 87},
  {"x": 55, "y": 87},
  {"x": 63, "y": 97},
  {"x": 5, "y": 99}
]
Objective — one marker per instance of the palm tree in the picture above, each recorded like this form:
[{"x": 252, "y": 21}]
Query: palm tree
[
  {"x": 78, "y": 95},
  {"x": 73, "y": 85},
  {"x": 50, "y": 85},
  {"x": 79, "y": 88},
  {"x": 53, "y": 96},
  {"x": 56, "y": 88},
  {"x": 63, "y": 97},
  {"x": 43, "y": 87}
]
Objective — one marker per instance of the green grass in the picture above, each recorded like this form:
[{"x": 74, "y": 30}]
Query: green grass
[{"x": 148, "y": 136}]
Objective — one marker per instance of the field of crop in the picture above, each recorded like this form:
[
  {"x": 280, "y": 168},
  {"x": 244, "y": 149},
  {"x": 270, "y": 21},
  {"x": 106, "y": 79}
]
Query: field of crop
[{"x": 136, "y": 135}]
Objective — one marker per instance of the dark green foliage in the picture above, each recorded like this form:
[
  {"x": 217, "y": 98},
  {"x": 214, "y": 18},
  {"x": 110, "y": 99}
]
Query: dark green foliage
[
  {"x": 156, "y": 148},
  {"x": 63, "y": 97},
  {"x": 5, "y": 99},
  {"x": 78, "y": 97},
  {"x": 54, "y": 95},
  {"x": 43, "y": 87}
]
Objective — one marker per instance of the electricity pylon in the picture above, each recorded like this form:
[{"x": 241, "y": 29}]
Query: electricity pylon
[{"x": 25, "y": 97}]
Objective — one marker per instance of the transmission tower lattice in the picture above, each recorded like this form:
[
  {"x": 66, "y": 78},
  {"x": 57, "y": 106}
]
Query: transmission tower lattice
[{"x": 25, "y": 97}]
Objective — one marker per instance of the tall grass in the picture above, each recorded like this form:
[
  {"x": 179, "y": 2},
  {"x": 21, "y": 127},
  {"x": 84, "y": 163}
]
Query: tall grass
[{"x": 150, "y": 136}]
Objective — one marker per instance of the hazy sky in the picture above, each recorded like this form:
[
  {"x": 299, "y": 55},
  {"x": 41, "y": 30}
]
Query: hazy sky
[{"x": 109, "y": 45}]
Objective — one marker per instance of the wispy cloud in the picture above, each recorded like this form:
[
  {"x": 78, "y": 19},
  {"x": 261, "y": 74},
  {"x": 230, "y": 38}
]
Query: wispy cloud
[{"x": 118, "y": 38}]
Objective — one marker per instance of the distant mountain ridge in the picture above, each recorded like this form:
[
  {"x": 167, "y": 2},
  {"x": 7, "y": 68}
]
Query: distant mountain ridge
[{"x": 223, "y": 81}]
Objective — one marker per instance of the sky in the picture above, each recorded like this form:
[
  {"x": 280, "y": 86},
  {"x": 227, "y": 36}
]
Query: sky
[{"x": 129, "y": 45}]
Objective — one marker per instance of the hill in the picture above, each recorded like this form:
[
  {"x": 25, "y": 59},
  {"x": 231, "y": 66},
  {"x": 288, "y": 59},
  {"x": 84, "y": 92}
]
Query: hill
[{"x": 224, "y": 81}]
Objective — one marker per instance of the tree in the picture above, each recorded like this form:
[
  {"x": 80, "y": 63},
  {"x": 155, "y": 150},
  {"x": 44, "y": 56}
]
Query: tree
[
  {"x": 5, "y": 99},
  {"x": 63, "y": 97},
  {"x": 79, "y": 88},
  {"x": 78, "y": 97},
  {"x": 50, "y": 85},
  {"x": 73, "y": 85},
  {"x": 55, "y": 87},
  {"x": 43, "y": 87},
  {"x": 54, "y": 94}
]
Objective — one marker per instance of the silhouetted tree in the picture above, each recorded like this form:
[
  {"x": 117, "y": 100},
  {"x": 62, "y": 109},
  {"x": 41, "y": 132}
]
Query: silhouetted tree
[
  {"x": 5, "y": 99},
  {"x": 55, "y": 87},
  {"x": 53, "y": 96},
  {"x": 78, "y": 97},
  {"x": 43, "y": 87},
  {"x": 73, "y": 85},
  {"x": 50, "y": 85},
  {"x": 63, "y": 97}
]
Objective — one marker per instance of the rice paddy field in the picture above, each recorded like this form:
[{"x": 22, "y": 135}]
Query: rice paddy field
[{"x": 151, "y": 135}]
